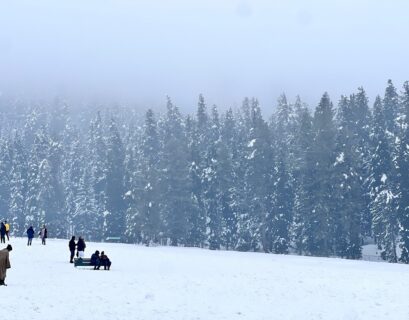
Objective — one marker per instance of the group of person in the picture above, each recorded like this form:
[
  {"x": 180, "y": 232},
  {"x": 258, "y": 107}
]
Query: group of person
[
  {"x": 79, "y": 245},
  {"x": 43, "y": 234},
  {"x": 4, "y": 232},
  {"x": 97, "y": 260},
  {"x": 100, "y": 260},
  {"x": 4, "y": 254}
]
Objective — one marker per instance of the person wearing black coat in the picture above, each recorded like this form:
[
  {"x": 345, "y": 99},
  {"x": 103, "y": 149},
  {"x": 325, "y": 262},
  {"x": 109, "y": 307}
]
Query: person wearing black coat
[
  {"x": 30, "y": 235},
  {"x": 95, "y": 260},
  {"x": 104, "y": 261},
  {"x": 72, "y": 246},
  {"x": 81, "y": 247},
  {"x": 2, "y": 233}
]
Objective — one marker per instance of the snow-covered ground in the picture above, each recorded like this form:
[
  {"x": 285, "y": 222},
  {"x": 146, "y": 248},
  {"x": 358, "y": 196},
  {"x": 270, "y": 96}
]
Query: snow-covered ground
[{"x": 186, "y": 283}]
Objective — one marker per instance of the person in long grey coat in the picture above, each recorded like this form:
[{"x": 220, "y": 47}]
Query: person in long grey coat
[{"x": 4, "y": 263}]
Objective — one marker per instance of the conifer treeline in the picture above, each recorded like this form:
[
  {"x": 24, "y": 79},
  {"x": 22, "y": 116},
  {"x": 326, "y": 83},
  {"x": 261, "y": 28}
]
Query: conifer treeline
[{"x": 317, "y": 183}]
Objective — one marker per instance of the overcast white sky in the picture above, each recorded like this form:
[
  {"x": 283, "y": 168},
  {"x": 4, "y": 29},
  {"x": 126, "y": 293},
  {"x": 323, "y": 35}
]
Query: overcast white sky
[{"x": 140, "y": 51}]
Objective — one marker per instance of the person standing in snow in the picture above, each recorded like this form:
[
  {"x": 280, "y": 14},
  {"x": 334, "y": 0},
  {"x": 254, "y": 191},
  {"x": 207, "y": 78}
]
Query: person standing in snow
[
  {"x": 2, "y": 232},
  {"x": 30, "y": 235},
  {"x": 81, "y": 247},
  {"x": 43, "y": 234},
  {"x": 7, "y": 230},
  {"x": 4, "y": 264},
  {"x": 72, "y": 246}
]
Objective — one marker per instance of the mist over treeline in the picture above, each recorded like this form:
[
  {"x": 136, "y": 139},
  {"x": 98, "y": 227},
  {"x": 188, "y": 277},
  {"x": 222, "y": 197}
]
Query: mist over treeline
[{"x": 316, "y": 180}]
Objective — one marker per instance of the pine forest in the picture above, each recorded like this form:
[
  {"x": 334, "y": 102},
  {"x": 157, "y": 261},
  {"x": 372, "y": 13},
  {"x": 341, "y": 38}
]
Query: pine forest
[{"x": 310, "y": 180}]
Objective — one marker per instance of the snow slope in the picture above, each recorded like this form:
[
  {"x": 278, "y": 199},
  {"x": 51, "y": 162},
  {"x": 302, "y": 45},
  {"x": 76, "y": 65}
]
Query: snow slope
[{"x": 187, "y": 283}]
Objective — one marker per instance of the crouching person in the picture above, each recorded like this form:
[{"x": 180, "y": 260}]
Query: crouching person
[
  {"x": 4, "y": 263},
  {"x": 95, "y": 260},
  {"x": 104, "y": 261}
]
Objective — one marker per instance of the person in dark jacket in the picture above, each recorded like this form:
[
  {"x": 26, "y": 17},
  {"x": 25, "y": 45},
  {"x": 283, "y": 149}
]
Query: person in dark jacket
[
  {"x": 72, "y": 246},
  {"x": 81, "y": 247},
  {"x": 43, "y": 234},
  {"x": 2, "y": 232},
  {"x": 30, "y": 235},
  {"x": 104, "y": 261},
  {"x": 95, "y": 260}
]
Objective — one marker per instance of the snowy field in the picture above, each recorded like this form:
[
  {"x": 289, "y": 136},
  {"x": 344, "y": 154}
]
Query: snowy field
[{"x": 186, "y": 283}]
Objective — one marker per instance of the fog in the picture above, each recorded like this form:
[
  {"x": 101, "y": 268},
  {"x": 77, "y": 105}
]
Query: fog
[{"x": 137, "y": 52}]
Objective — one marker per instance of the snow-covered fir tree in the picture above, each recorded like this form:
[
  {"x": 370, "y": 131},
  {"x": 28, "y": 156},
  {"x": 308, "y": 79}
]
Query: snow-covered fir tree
[
  {"x": 175, "y": 185},
  {"x": 149, "y": 199},
  {"x": 320, "y": 222},
  {"x": 348, "y": 204},
  {"x": 257, "y": 184},
  {"x": 228, "y": 180},
  {"x": 97, "y": 163},
  {"x": 5, "y": 176},
  {"x": 303, "y": 177},
  {"x": 283, "y": 199},
  {"x": 403, "y": 165},
  {"x": 18, "y": 186},
  {"x": 114, "y": 215},
  {"x": 383, "y": 205}
]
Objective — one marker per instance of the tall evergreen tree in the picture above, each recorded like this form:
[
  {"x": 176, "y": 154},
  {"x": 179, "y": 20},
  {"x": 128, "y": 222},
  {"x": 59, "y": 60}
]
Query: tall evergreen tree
[
  {"x": 361, "y": 123},
  {"x": 5, "y": 177},
  {"x": 72, "y": 167},
  {"x": 114, "y": 216},
  {"x": 226, "y": 147},
  {"x": 85, "y": 220},
  {"x": 257, "y": 179},
  {"x": 196, "y": 220},
  {"x": 403, "y": 165},
  {"x": 320, "y": 224},
  {"x": 38, "y": 183},
  {"x": 284, "y": 142},
  {"x": 303, "y": 175},
  {"x": 18, "y": 186},
  {"x": 199, "y": 165},
  {"x": 348, "y": 204},
  {"x": 97, "y": 164},
  {"x": 383, "y": 199},
  {"x": 176, "y": 200},
  {"x": 216, "y": 181},
  {"x": 238, "y": 144},
  {"x": 57, "y": 219},
  {"x": 133, "y": 184},
  {"x": 149, "y": 203}
]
